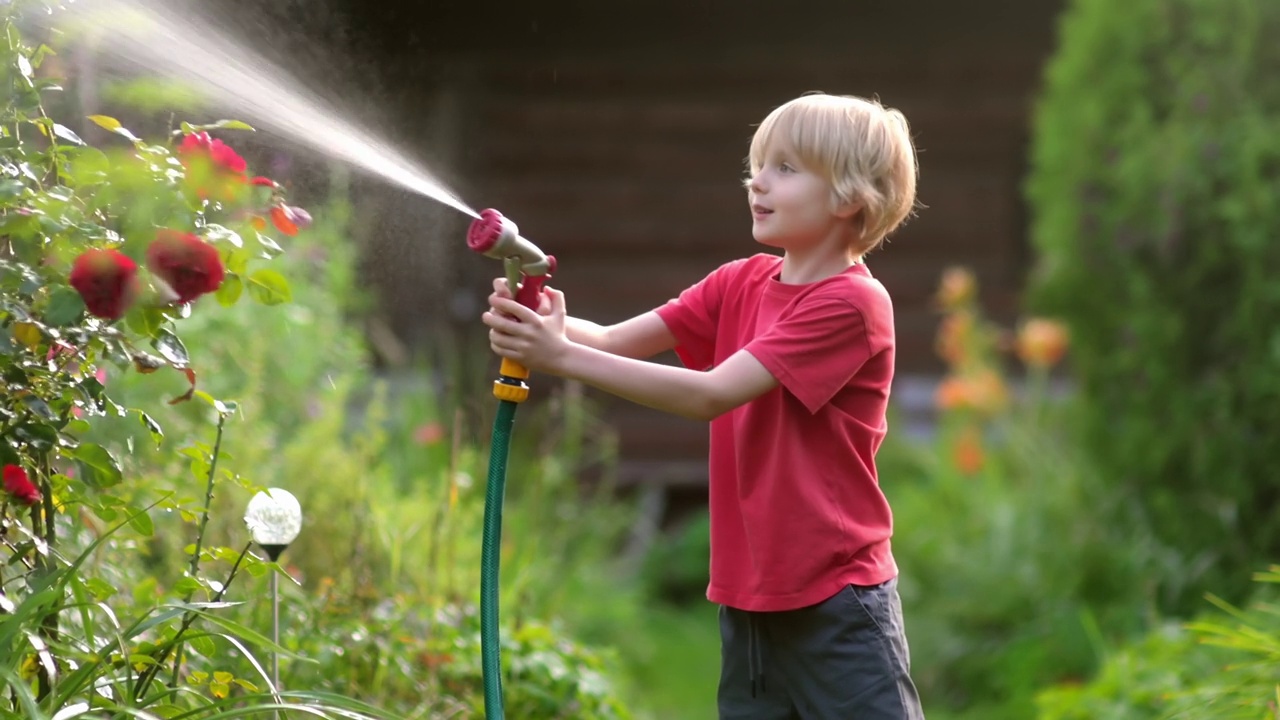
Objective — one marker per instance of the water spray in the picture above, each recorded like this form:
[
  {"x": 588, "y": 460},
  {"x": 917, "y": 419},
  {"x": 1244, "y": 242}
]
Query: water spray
[{"x": 527, "y": 269}]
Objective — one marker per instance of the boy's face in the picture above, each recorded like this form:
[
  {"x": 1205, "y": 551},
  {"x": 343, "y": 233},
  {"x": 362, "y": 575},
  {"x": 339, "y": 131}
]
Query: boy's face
[{"x": 792, "y": 207}]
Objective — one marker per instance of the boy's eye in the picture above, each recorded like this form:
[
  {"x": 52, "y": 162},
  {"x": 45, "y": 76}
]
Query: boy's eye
[{"x": 784, "y": 167}]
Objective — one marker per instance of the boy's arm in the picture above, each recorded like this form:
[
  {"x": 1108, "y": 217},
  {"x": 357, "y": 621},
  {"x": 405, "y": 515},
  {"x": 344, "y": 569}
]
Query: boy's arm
[
  {"x": 640, "y": 337},
  {"x": 689, "y": 393},
  {"x": 541, "y": 342}
]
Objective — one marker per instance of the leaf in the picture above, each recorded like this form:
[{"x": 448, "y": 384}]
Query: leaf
[
  {"x": 141, "y": 522},
  {"x": 191, "y": 378},
  {"x": 24, "y": 67},
  {"x": 88, "y": 166},
  {"x": 204, "y": 645},
  {"x": 215, "y": 232},
  {"x": 112, "y": 124},
  {"x": 106, "y": 122},
  {"x": 269, "y": 287},
  {"x": 230, "y": 290},
  {"x": 27, "y": 333},
  {"x": 153, "y": 427},
  {"x": 71, "y": 711},
  {"x": 100, "y": 588},
  {"x": 145, "y": 320},
  {"x": 39, "y": 437},
  {"x": 186, "y": 586},
  {"x": 39, "y": 408},
  {"x": 65, "y": 133},
  {"x": 171, "y": 348},
  {"x": 65, "y": 307},
  {"x": 99, "y": 467}
]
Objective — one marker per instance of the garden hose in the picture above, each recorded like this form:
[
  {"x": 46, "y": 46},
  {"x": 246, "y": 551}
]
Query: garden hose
[{"x": 527, "y": 269}]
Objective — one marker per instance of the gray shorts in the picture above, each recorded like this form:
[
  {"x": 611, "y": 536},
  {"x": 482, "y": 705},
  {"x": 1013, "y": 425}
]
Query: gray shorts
[{"x": 845, "y": 658}]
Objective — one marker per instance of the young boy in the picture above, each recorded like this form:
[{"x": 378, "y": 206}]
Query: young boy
[{"x": 790, "y": 359}]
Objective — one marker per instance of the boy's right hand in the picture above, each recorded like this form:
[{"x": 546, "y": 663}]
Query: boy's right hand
[{"x": 501, "y": 290}]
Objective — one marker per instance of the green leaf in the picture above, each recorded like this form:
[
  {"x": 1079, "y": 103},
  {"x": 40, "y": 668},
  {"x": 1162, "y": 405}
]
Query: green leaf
[
  {"x": 171, "y": 348},
  {"x": 100, "y": 588},
  {"x": 214, "y": 233},
  {"x": 39, "y": 437},
  {"x": 145, "y": 321},
  {"x": 230, "y": 290},
  {"x": 153, "y": 427},
  {"x": 65, "y": 307},
  {"x": 203, "y": 644},
  {"x": 269, "y": 287},
  {"x": 186, "y": 586},
  {"x": 99, "y": 467},
  {"x": 65, "y": 133},
  {"x": 88, "y": 166},
  {"x": 142, "y": 523}
]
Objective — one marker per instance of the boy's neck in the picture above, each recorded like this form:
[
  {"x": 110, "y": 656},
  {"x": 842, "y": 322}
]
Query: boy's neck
[{"x": 804, "y": 267}]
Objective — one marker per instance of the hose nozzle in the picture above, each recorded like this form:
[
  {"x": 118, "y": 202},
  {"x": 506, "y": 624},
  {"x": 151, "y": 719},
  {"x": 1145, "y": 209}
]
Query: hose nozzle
[
  {"x": 498, "y": 237},
  {"x": 493, "y": 235}
]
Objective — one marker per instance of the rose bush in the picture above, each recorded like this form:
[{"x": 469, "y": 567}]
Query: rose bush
[{"x": 104, "y": 252}]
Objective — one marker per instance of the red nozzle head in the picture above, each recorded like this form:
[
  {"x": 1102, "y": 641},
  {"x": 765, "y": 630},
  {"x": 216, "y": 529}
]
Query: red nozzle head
[{"x": 487, "y": 230}]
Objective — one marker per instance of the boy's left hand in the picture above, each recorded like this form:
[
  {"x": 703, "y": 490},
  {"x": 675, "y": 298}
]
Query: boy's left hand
[{"x": 534, "y": 340}]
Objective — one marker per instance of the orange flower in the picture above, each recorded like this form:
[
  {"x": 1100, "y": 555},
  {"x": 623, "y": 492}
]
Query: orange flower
[
  {"x": 982, "y": 391},
  {"x": 1042, "y": 343},
  {"x": 967, "y": 452},
  {"x": 955, "y": 335},
  {"x": 958, "y": 287}
]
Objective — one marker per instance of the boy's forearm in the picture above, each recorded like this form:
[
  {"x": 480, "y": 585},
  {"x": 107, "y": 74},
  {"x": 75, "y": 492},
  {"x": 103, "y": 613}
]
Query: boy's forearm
[
  {"x": 675, "y": 390},
  {"x": 585, "y": 332}
]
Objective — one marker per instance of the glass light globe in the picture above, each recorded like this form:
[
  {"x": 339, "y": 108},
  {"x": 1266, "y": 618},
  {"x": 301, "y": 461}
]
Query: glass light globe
[{"x": 274, "y": 518}]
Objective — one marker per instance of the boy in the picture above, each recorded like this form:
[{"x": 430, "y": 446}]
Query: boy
[{"x": 790, "y": 359}]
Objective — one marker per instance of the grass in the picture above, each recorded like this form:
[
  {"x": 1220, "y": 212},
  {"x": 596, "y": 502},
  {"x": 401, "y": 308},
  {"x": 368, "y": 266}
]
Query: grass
[{"x": 675, "y": 663}]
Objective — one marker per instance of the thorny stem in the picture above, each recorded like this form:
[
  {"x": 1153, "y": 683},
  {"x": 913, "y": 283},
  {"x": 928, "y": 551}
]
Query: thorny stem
[
  {"x": 204, "y": 523},
  {"x": 49, "y": 625},
  {"x": 188, "y": 618}
]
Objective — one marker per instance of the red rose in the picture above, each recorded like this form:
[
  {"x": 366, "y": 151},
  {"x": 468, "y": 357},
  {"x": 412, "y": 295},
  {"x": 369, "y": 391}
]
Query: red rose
[
  {"x": 18, "y": 485},
  {"x": 106, "y": 280},
  {"x": 201, "y": 145},
  {"x": 190, "y": 266},
  {"x": 213, "y": 168}
]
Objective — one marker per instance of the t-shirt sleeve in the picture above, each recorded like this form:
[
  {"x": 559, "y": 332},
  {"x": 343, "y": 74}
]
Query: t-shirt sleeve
[
  {"x": 815, "y": 349},
  {"x": 693, "y": 318}
]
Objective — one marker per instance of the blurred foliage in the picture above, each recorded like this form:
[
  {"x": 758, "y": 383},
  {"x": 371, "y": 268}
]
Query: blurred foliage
[
  {"x": 1220, "y": 666},
  {"x": 1155, "y": 191}
]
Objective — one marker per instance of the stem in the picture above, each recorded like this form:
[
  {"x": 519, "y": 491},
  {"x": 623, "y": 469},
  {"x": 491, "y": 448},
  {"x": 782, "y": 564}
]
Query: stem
[
  {"x": 188, "y": 618},
  {"x": 43, "y": 524},
  {"x": 194, "y": 570},
  {"x": 208, "y": 501}
]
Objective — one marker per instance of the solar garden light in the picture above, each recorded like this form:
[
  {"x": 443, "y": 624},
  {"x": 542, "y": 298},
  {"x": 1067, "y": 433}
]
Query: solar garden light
[{"x": 274, "y": 518}]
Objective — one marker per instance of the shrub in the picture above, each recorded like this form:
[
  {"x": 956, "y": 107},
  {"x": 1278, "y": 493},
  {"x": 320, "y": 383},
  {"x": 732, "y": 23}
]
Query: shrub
[
  {"x": 1012, "y": 565},
  {"x": 1221, "y": 666},
  {"x": 1155, "y": 190}
]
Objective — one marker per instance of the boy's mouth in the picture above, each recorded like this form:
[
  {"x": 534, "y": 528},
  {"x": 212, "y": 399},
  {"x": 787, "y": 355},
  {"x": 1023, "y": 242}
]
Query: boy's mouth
[{"x": 760, "y": 211}]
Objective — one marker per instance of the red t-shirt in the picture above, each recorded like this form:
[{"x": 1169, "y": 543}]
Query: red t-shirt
[{"x": 796, "y": 507}]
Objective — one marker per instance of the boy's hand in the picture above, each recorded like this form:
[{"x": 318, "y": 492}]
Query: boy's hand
[
  {"x": 502, "y": 290},
  {"x": 536, "y": 340}
]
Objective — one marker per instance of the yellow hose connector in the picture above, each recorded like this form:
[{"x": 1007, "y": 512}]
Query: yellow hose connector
[{"x": 510, "y": 386}]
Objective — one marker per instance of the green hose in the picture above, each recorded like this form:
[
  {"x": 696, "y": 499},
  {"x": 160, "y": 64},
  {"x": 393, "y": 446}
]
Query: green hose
[{"x": 491, "y": 662}]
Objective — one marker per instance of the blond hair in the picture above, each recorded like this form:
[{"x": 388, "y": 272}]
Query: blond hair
[{"x": 863, "y": 148}]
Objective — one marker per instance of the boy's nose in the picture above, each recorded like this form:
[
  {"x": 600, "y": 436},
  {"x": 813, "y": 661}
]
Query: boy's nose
[{"x": 757, "y": 185}]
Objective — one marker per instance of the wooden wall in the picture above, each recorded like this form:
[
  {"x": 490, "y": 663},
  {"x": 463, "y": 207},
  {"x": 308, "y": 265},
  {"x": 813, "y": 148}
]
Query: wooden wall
[{"x": 615, "y": 134}]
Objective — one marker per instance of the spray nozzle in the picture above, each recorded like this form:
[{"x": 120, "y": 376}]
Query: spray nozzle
[{"x": 495, "y": 236}]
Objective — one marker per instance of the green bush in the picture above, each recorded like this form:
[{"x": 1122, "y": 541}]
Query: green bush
[
  {"x": 1222, "y": 666},
  {"x": 1155, "y": 190}
]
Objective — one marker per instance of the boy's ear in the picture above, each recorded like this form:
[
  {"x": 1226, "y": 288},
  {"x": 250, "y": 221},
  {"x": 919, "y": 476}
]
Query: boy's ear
[{"x": 848, "y": 210}]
